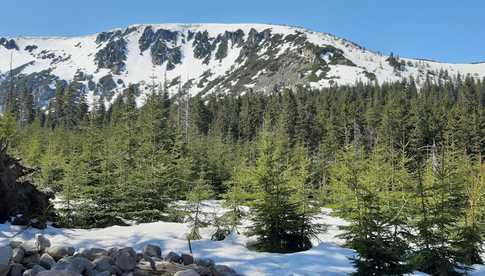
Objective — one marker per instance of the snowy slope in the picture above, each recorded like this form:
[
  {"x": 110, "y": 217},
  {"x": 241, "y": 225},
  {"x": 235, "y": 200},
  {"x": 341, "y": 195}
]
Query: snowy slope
[
  {"x": 204, "y": 58},
  {"x": 327, "y": 257}
]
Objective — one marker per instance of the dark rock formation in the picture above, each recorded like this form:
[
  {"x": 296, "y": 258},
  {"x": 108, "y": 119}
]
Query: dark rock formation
[
  {"x": 17, "y": 195},
  {"x": 9, "y": 44},
  {"x": 112, "y": 56}
]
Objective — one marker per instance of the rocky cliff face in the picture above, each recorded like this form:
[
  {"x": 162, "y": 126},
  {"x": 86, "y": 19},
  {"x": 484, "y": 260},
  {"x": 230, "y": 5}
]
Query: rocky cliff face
[{"x": 204, "y": 58}]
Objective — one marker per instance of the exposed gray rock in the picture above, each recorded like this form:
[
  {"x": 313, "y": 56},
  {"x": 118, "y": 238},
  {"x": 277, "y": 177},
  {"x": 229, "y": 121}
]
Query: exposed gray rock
[
  {"x": 77, "y": 264},
  {"x": 112, "y": 251},
  {"x": 125, "y": 259},
  {"x": 46, "y": 261},
  {"x": 151, "y": 250},
  {"x": 31, "y": 260},
  {"x": 16, "y": 270},
  {"x": 58, "y": 273},
  {"x": 9, "y": 44},
  {"x": 59, "y": 252},
  {"x": 104, "y": 273},
  {"x": 33, "y": 271},
  {"x": 172, "y": 257},
  {"x": 112, "y": 56},
  {"x": 18, "y": 254},
  {"x": 93, "y": 253},
  {"x": 39, "y": 243},
  {"x": 103, "y": 263},
  {"x": 205, "y": 262}
]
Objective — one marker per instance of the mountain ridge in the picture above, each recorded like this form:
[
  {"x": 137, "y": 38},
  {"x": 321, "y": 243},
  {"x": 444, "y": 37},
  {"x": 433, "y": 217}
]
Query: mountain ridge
[{"x": 205, "y": 58}]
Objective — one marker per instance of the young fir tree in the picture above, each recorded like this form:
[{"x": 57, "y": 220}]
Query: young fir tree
[
  {"x": 200, "y": 191},
  {"x": 238, "y": 193},
  {"x": 469, "y": 241},
  {"x": 375, "y": 232},
  {"x": 276, "y": 218},
  {"x": 440, "y": 203},
  {"x": 298, "y": 175}
]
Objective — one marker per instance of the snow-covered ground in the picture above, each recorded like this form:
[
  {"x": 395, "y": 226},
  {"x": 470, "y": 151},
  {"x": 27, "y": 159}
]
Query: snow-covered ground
[{"x": 327, "y": 257}]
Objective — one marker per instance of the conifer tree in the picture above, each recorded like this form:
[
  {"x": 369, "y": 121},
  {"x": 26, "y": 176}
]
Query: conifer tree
[{"x": 200, "y": 191}]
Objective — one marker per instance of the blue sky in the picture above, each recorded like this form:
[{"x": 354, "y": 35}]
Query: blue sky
[{"x": 444, "y": 30}]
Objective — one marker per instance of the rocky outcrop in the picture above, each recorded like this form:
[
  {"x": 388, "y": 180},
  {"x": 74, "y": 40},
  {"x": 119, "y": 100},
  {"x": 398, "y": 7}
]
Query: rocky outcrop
[
  {"x": 19, "y": 198},
  {"x": 9, "y": 44},
  {"x": 64, "y": 261},
  {"x": 112, "y": 56}
]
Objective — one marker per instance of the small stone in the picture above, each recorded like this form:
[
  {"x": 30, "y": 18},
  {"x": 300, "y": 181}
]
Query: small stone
[
  {"x": 103, "y": 263},
  {"x": 188, "y": 272},
  {"x": 42, "y": 242},
  {"x": 104, "y": 273},
  {"x": 205, "y": 262},
  {"x": 33, "y": 271},
  {"x": 125, "y": 259},
  {"x": 18, "y": 254},
  {"x": 112, "y": 251},
  {"x": 172, "y": 257},
  {"x": 29, "y": 261},
  {"x": 39, "y": 243},
  {"x": 16, "y": 270},
  {"x": 77, "y": 264},
  {"x": 151, "y": 250},
  {"x": 58, "y": 273},
  {"x": 47, "y": 261},
  {"x": 59, "y": 252},
  {"x": 93, "y": 253},
  {"x": 187, "y": 259}
]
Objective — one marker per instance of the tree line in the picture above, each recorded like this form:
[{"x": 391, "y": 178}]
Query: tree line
[{"x": 403, "y": 164}]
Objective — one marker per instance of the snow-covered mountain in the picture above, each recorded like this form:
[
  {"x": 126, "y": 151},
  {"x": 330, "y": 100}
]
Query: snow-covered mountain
[{"x": 203, "y": 58}]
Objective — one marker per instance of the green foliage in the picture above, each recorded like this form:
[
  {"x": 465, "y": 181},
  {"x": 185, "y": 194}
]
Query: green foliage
[{"x": 404, "y": 167}]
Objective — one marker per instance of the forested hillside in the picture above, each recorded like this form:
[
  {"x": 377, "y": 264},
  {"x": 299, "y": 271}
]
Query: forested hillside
[{"x": 404, "y": 165}]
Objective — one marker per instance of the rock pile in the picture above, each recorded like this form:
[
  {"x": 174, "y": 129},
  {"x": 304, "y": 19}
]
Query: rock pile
[{"x": 38, "y": 258}]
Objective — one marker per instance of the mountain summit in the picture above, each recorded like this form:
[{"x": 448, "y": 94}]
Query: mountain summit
[{"x": 203, "y": 58}]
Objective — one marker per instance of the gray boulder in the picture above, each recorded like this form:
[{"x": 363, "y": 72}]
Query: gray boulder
[
  {"x": 39, "y": 243},
  {"x": 125, "y": 259},
  {"x": 31, "y": 260},
  {"x": 16, "y": 270},
  {"x": 188, "y": 272},
  {"x": 58, "y": 273},
  {"x": 18, "y": 254},
  {"x": 151, "y": 250},
  {"x": 205, "y": 262},
  {"x": 59, "y": 252},
  {"x": 77, "y": 264},
  {"x": 33, "y": 271},
  {"x": 103, "y": 263},
  {"x": 46, "y": 261},
  {"x": 173, "y": 257},
  {"x": 94, "y": 253}
]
